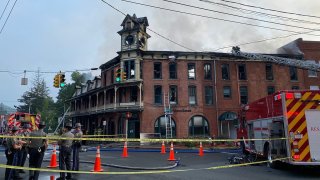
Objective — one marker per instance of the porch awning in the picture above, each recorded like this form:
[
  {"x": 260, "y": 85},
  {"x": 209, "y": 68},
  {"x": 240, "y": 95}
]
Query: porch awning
[{"x": 228, "y": 116}]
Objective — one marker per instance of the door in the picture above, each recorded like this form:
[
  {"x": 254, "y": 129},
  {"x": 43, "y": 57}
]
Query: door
[{"x": 133, "y": 128}]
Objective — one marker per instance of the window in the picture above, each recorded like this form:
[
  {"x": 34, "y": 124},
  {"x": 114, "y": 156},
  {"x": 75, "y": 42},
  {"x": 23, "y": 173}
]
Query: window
[
  {"x": 270, "y": 90},
  {"x": 208, "y": 95},
  {"x": 310, "y": 72},
  {"x": 225, "y": 71},
  {"x": 173, "y": 71},
  {"x": 269, "y": 72},
  {"x": 173, "y": 92},
  {"x": 207, "y": 71},
  {"x": 191, "y": 71},
  {"x": 158, "y": 94},
  {"x": 226, "y": 91},
  {"x": 157, "y": 73},
  {"x": 160, "y": 126},
  {"x": 129, "y": 68},
  {"x": 243, "y": 94},
  {"x": 293, "y": 73},
  {"x": 198, "y": 126},
  {"x": 295, "y": 88},
  {"x": 133, "y": 94},
  {"x": 242, "y": 72},
  {"x": 192, "y": 95}
]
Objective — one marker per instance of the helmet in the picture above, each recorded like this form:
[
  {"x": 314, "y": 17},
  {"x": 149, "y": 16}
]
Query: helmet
[{"x": 68, "y": 125}]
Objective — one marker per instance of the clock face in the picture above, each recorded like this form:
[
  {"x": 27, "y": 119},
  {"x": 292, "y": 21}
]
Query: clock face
[{"x": 129, "y": 40}]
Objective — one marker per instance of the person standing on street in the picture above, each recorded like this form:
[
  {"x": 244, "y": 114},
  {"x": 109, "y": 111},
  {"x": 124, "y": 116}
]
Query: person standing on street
[
  {"x": 37, "y": 148},
  {"x": 12, "y": 153},
  {"x": 76, "y": 147},
  {"x": 65, "y": 147},
  {"x": 24, "y": 150}
]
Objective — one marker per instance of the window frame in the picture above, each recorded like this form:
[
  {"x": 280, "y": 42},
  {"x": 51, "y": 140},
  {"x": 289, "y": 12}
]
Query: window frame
[
  {"x": 225, "y": 67},
  {"x": 156, "y": 96},
  {"x": 157, "y": 74},
  {"x": 174, "y": 73},
  {"x": 210, "y": 96},
  {"x": 207, "y": 69},
  {"x": 176, "y": 94},
  {"x": 246, "y": 95},
  {"x": 269, "y": 72},
  {"x": 293, "y": 72},
  {"x": 227, "y": 87},
  {"x": 189, "y": 69},
  {"x": 242, "y": 75},
  {"x": 205, "y": 127},
  {"x": 158, "y": 128},
  {"x": 269, "y": 92},
  {"x": 192, "y": 91}
]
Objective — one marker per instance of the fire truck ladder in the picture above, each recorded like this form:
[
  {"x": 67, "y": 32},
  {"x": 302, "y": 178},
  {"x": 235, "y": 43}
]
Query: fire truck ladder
[
  {"x": 167, "y": 115},
  {"x": 303, "y": 64},
  {"x": 61, "y": 120}
]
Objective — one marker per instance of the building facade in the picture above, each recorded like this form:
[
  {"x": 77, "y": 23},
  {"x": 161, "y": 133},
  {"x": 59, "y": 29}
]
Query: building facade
[{"x": 174, "y": 93}]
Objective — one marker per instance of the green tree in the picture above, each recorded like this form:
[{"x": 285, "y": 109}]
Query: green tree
[{"x": 37, "y": 99}]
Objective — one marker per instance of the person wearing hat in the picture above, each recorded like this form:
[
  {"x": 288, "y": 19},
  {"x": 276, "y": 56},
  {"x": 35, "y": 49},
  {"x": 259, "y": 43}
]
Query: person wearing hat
[
  {"x": 12, "y": 154},
  {"x": 76, "y": 146},
  {"x": 65, "y": 147},
  {"x": 37, "y": 148},
  {"x": 24, "y": 150}
]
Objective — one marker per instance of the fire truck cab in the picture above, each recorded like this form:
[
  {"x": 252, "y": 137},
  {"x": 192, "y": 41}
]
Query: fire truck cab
[{"x": 284, "y": 125}]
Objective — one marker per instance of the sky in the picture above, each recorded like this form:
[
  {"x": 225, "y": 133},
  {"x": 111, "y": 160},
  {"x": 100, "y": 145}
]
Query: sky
[{"x": 67, "y": 35}]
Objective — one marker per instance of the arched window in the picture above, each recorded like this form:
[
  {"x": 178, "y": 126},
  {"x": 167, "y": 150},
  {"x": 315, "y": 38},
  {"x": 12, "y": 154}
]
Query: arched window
[
  {"x": 198, "y": 126},
  {"x": 160, "y": 126}
]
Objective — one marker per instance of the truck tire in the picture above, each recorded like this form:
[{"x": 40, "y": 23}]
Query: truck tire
[{"x": 271, "y": 164}]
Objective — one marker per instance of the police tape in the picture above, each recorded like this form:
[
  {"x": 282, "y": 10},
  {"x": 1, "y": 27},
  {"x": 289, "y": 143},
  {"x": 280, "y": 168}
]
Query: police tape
[
  {"x": 141, "y": 140},
  {"x": 140, "y": 172}
]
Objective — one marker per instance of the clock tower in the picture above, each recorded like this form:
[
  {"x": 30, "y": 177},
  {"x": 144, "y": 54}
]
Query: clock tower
[
  {"x": 133, "y": 33},
  {"x": 134, "y": 39}
]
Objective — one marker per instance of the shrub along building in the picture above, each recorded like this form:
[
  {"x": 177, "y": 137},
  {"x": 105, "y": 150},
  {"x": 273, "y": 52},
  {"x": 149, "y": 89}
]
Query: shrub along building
[{"x": 173, "y": 93}]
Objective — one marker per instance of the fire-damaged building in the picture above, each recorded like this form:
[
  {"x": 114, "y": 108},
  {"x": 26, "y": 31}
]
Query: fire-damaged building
[{"x": 174, "y": 93}]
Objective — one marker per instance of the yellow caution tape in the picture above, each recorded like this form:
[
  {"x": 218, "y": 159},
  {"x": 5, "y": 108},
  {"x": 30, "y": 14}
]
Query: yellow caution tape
[
  {"x": 144, "y": 140},
  {"x": 138, "y": 172}
]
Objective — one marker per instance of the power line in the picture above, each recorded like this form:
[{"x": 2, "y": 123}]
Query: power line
[
  {"x": 230, "y": 14},
  {"x": 248, "y": 11},
  {"x": 8, "y": 16},
  {"x": 5, "y": 8},
  {"x": 268, "y": 9},
  {"x": 221, "y": 19},
  {"x": 178, "y": 44}
]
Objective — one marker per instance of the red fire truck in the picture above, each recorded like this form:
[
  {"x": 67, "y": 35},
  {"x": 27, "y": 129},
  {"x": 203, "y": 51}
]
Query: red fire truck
[
  {"x": 19, "y": 118},
  {"x": 284, "y": 125}
]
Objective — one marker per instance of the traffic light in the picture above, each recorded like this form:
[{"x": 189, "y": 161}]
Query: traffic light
[
  {"x": 62, "y": 80},
  {"x": 118, "y": 75},
  {"x": 56, "y": 81},
  {"x": 124, "y": 75}
]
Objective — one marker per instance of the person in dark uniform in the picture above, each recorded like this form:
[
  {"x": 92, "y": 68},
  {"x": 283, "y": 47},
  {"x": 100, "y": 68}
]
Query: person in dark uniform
[
  {"x": 65, "y": 147},
  {"x": 37, "y": 147},
  {"x": 76, "y": 146},
  {"x": 12, "y": 153},
  {"x": 24, "y": 150}
]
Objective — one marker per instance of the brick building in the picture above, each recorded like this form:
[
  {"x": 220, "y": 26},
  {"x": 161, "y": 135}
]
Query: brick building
[{"x": 142, "y": 91}]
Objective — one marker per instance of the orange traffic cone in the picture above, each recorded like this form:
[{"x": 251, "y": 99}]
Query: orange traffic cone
[
  {"x": 201, "y": 150},
  {"x": 171, "y": 155},
  {"x": 163, "y": 148},
  {"x": 125, "y": 150},
  {"x": 52, "y": 178},
  {"x": 53, "y": 161},
  {"x": 97, "y": 163}
]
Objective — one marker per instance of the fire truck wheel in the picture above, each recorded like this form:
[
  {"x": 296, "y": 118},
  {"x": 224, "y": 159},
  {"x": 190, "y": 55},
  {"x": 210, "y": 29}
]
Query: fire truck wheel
[{"x": 272, "y": 164}]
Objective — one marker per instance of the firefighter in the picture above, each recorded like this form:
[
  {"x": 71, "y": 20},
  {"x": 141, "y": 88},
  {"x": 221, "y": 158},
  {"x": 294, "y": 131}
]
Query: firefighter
[
  {"x": 24, "y": 150},
  {"x": 76, "y": 146},
  {"x": 37, "y": 149},
  {"x": 65, "y": 147},
  {"x": 14, "y": 145}
]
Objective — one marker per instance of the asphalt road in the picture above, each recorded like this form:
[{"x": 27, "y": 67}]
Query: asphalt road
[{"x": 191, "y": 167}]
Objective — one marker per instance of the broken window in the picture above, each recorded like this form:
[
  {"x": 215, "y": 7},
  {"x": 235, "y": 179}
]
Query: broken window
[
  {"x": 191, "y": 71},
  {"x": 207, "y": 71},
  {"x": 293, "y": 73},
  {"x": 242, "y": 72},
  {"x": 269, "y": 72},
  {"x": 173, "y": 71},
  {"x": 173, "y": 94},
  {"x": 157, "y": 73}
]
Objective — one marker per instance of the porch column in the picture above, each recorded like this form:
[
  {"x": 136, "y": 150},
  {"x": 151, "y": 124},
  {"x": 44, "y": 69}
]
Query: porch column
[
  {"x": 89, "y": 103},
  {"x": 104, "y": 99},
  {"x": 97, "y": 102},
  {"x": 115, "y": 96},
  {"x": 140, "y": 91}
]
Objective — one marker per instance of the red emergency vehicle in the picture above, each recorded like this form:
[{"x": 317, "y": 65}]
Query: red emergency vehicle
[{"x": 284, "y": 125}]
